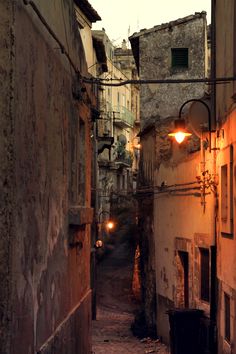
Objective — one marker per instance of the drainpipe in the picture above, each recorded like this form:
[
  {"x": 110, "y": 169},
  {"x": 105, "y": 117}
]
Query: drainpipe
[{"x": 95, "y": 220}]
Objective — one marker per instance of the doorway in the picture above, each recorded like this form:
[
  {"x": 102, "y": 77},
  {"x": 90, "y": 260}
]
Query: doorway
[{"x": 184, "y": 277}]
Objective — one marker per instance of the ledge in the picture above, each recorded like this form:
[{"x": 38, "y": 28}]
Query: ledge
[{"x": 80, "y": 215}]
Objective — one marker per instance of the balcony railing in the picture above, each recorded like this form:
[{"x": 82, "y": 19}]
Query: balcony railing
[
  {"x": 125, "y": 157},
  {"x": 122, "y": 116}
]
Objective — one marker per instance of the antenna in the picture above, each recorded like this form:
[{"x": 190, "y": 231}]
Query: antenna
[{"x": 138, "y": 24}]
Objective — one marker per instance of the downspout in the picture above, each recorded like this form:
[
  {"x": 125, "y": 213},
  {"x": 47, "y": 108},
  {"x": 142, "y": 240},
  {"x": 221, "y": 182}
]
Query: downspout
[{"x": 95, "y": 206}]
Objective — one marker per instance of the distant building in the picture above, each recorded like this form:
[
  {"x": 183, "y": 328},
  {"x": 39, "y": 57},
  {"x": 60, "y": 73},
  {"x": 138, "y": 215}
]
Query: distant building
[
  {"x": 175, "y": 217},
  {"x": 117, "y": 144}
]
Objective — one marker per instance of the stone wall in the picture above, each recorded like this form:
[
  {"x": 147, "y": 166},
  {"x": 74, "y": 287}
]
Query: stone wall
[
  {"x": 155, "y": 63},
  {"x": 46, "y": 243}
]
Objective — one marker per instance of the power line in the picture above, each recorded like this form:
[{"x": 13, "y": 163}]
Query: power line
[{"x": 121, "y": 82}]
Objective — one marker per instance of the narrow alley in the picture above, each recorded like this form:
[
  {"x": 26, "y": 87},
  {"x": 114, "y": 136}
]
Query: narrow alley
[{"x": 116, "y": 308}]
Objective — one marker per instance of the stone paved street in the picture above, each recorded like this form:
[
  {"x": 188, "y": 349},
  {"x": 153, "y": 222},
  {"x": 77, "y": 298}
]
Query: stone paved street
[{"x": 115, "y": 312}]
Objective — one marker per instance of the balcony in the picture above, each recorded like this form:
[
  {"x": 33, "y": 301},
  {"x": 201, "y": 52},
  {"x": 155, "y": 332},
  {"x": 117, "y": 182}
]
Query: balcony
[
  {"x": 122, "y": 117},
  {"x": 124, "y": 158}
]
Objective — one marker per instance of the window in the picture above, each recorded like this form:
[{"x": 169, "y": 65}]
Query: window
[
  {"x": 226, "y": 199},
  {"x": 123, "y": 101},
  {"x": 184, "y": 274},
  {"x": 204, "y": 274},
  {"x": 224, "y": 192},
  {"x": 123, "y": 182},
  {"x": 227, "y": 316},
  {"x": 179, "y": 58}
]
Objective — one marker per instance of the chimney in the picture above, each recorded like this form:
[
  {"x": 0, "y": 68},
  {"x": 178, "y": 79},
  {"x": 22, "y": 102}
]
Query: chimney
[{"x": 124, "y": 45}]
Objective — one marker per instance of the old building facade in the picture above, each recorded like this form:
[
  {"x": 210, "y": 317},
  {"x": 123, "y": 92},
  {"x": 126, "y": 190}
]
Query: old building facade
[
  {"x": 175, "y": 215},
  {"x": 119, "y": 115},
  {"x": 225, "y": 19},
  {"x": 189, "y": 189},
  {"x": 45, "y": 298}
]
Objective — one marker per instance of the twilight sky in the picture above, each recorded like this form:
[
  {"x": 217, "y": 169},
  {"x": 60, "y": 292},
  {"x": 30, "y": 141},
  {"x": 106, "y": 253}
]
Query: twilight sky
[{"x": 121, "y": 18}]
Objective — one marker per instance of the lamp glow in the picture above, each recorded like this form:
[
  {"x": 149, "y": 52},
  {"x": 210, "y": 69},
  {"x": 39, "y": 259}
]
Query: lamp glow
[
  {"x": 180, "y": 133},
  {"x": 179, "y": 137},
  {"x": 110, "y": 225}
]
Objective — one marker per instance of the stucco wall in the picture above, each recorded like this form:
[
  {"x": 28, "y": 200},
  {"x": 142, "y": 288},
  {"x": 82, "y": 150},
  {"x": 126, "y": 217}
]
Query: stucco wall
[
  {"x": 50, "y": 295},
  {"x": 6, "y": 169},
  {"x": 180, "y": 215},
  {"x": 225, "y": 115}
]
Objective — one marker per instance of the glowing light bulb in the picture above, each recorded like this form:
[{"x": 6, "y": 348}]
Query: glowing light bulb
[
  {"x": 110, "y": 225},
  {"x": 179, "y": 137}
]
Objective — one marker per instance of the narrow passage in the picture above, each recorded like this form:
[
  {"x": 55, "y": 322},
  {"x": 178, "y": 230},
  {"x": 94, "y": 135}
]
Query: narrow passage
[{"x": 115, "y": 308}]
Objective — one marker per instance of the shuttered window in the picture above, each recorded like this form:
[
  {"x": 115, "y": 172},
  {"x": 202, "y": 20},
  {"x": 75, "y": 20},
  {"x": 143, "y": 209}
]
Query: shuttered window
[
  {"x": 179, "y": 58},
  {"x": 205, "y": 275}
]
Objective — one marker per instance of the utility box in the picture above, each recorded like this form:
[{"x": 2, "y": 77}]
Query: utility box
[{"x": 185, "y": 331}]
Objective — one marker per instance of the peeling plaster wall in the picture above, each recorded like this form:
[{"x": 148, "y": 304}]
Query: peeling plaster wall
[
  {"x": 50, "y": 281},
  {"x": 180, "y": 225},
  {"x": 164, "y": 163}
]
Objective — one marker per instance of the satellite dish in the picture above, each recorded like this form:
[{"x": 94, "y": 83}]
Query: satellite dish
[
  {"x": 122, "y": 139},
  {"x": 199, "y": 118}
]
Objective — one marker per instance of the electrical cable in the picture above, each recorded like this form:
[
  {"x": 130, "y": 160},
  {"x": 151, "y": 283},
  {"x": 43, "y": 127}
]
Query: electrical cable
[{"x": 100, "y": 82}]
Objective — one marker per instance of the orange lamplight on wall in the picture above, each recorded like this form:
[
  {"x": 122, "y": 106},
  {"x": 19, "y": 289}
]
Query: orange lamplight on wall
[{"x": 180, "y": 132}]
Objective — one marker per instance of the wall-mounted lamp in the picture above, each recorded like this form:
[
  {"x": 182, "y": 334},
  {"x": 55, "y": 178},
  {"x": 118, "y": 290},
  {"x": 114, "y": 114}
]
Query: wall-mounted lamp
[
  {"x": 109, "y": 224},
  {"x": 180, "y": 132}
]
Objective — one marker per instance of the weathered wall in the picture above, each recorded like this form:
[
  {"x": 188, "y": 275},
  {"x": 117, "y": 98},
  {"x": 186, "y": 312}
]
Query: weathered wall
[
  {"x": 226, "y": 114},
  {"x": 6, "y": 169},
  {"x": 146, "y": 228},
  {"x": 178, "y": 218},
  {"x": 181, "y": 225},
  {"x": 50, "y": 295},
  {"x": 155, "y": 63}
]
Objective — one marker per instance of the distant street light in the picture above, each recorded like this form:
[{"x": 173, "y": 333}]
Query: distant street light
[{"x": 108, "y": 223}]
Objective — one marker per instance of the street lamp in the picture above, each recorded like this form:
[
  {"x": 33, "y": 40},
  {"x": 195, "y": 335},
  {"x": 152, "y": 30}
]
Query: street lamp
[
  {"x": 180, "y": 132},
  {"x": 109, "y": 224}
]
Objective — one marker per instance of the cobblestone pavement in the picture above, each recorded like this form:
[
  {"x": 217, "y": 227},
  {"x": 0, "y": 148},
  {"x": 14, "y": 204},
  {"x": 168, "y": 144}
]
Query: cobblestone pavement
[{"x": 115, "y": 310}]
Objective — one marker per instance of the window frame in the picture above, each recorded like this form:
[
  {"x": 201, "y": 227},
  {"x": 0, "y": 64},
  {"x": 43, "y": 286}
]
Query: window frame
[
  {"x": 204, "y": 286},
  {"x": 178, "y": 56},
  {"x": 227, "y": 331},
  {"x": 227, "y": 192}
]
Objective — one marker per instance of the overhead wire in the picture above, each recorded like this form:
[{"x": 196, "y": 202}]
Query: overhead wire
[{"x": 121, "y": 82}]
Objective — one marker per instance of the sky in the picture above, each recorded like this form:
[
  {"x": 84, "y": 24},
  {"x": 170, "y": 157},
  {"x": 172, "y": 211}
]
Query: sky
[{"x": 121, "y": 18}]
